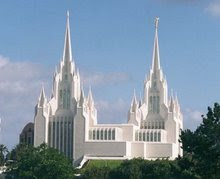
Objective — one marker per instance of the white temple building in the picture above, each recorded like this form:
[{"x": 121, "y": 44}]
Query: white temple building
[{"x": 68, "y": 120}]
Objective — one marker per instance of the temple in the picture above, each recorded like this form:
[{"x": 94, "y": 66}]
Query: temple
[{"x": 68, "y": 120}]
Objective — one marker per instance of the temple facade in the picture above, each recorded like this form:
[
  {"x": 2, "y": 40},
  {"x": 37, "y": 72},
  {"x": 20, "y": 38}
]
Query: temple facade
[{"x": 68, "y": 120}]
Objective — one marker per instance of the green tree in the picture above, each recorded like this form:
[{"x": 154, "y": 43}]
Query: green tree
[
  {"x": 3, "y": 152},
  {"x": 41, "y": 162},
  {"x": 203, "y": 145}
]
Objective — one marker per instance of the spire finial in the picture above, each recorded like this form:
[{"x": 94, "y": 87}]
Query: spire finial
[
  {"x": 67, "y": 52},
  {"x": 156, "y": 21},
  {"x": 156, "y": 55},
  {"x": 67, "y": 14}
]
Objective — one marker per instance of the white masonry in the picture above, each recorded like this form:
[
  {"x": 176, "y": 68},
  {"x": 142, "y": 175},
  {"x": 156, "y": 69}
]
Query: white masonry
[{"x": 68, "y": 120}]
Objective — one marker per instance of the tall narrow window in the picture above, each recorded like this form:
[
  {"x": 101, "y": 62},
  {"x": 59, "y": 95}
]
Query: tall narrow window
[
  {"x": 140, "y": 136},
  {"x": 158, "y": 104},
  {"x": 64, "y": 99},
  {"x": 155, "y": 136},
  {"x": 113, "y": 134},
  {"x": 151, "y": 136},
  {"x": 98, "y": 134},
  {"x": 68, "y": 98},
  {"x": 106, "y": 134},
  {"x": 93, "y": 135},
  {"x": 102, "y": 134},
  {"x": 163, "y": 126},
  {"x": 143, "y": 136},
  {"x": 109, "y": 134},
  {"x": 154, "y": 104},
  {"x": 159, "y": 136},
  {"x": 148, "y": 138}
]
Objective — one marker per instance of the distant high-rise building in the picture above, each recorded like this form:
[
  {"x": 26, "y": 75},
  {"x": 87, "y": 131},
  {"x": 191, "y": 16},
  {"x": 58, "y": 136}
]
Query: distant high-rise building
[
  {"x": 68, "y": 120},
  {"x": 27, "y": 134}
]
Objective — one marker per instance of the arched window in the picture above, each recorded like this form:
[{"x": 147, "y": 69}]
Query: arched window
[
  {"x": 149, "y": 125},
  {"x": 113, "y": 134},
  {"x": 154, "y": 104},
  {"x": 64, "y": 99},
  {"x": 102, "y": 134},
  {"x": 151, "y": 136},
  {"x": 68, "y": 98},
  {"x": 106, "y": 134},
  {"x": 163, "y": 126},
  {"x": 109, "y": 134},
  {"x": 155, "y": 136},
  {"x": 159, "y": 137},
  {"x": 140, "y": 136},
  {"x": 159, "y": 125},
  {"x": 158, "y": 104},
  {"x": 93, "y": 135},
  {"x": 147, "y": 136},
  {"x": 144, "y": 136},
  {"x": 156, "y": 125},
  {"x": 97, "y": 134}
]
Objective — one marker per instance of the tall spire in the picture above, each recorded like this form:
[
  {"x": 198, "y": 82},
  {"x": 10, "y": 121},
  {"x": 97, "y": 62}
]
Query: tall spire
[
  {"x": 42, "y": 97},
  {"x": 67, "y": 52},
  {"x": 156, "y": 55},
  {"x": 134, "y": 102},
  {"x": 90, "y": 98}
]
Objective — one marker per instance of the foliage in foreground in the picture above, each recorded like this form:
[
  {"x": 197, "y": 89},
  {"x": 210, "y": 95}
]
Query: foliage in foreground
[
  {"x": 201, "y": 157},
  {"x": 3, "y": 152},
  {"x": 41, "y": 163}
]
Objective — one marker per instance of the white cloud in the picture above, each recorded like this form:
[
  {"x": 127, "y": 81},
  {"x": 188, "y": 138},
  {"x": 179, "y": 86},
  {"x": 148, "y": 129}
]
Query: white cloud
[
  {"x": 112, "y": 112},
  {"x": 20, "y": 84},
  {"x": 214, "y": 8},
  {"x": 98, "y": 78},
  {"x": 192, "y": 118}
]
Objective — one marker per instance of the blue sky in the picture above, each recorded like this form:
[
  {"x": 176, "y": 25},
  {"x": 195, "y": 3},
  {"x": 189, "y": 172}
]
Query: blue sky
[{"x": 112, "y": 44}]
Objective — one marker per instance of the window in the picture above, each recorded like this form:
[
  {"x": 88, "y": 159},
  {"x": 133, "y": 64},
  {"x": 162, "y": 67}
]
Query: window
[
  {"x": 106, "y": 134},
  {"x": 151, "y": 136},
  {"x": 109, "y": 134},
  {"x": 102, "y": 134},
  {"x": 155, "y": 85},
  {"x": 113, "y": 134},
  {"x": 163, "y": 127},
  {"x": 97, "y": 134},
  {"x": 159, "y": 125},
  {"x": 148, "y": 137},
  {"x": 159, "y": 136},
  {"x": 158, "y": 104},
  {"x": 93, "y": 135},
  {"x": 144, "y": 136},
  {"x": 140, "y": 136},
  {"x": 155, "y": 136}
]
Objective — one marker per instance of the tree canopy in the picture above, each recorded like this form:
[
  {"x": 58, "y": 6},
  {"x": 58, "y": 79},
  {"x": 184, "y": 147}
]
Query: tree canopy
[{"x": 41, "y": 162}]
